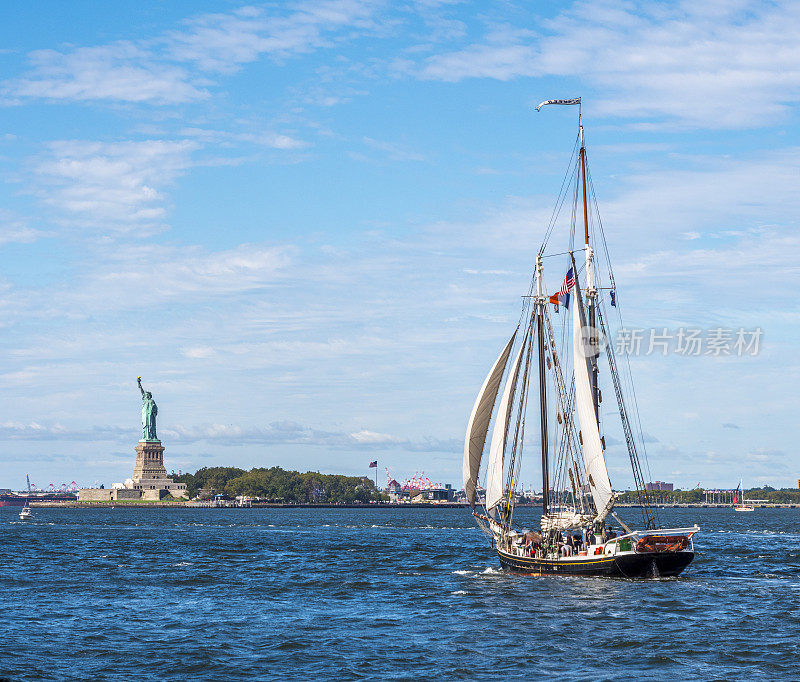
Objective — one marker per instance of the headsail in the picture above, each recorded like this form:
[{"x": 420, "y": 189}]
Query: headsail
[
  {"x": 479, "y": 422},
  {"x": 494, "y": 472},
  {"x": 591, "y": 445}
]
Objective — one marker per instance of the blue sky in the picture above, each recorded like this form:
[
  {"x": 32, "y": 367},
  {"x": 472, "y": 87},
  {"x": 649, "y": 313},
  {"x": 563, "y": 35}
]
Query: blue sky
[{"x": 308, "y": 225}]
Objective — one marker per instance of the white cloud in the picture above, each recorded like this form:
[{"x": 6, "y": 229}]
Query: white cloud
[
  {"x": 657, "y": 215},
  {"x": 277, "y": 433},
  {"x": 114, "y": 185},
  {"x": 266, "y": 139},
  {"x": 35, "y": 431},
  {"x": 371, "y": 437},
  {"x": 393, "y": 150},
  {"x": 726, "y": 65},
  {"x": 506, "y": 53},
  {"x": 159, "y": 274},
  {"x": 168, "y": 69},
  {"x": 120, "y": 71},
  {"x": 199, "y": 352},
  {"x": 15, "y": 232},
  {"x": 223, "y": 42}
]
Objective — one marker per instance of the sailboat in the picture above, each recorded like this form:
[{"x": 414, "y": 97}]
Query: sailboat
[
  {"x": 576, "y": 535},
  {"x": 26, "y": 513},
  {"x": 741, "y": 506}
]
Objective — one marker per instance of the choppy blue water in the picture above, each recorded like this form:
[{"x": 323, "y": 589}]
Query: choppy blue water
[{"x": 378, "y": 593}]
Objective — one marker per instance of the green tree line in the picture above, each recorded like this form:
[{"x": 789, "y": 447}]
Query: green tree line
[
  {"x": 277, "y": 485},
  {"x": 784, "y": 496}
]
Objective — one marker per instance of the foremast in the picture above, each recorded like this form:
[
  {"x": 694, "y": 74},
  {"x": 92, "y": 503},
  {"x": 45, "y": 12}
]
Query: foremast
[{"x": 541, "y": 303}]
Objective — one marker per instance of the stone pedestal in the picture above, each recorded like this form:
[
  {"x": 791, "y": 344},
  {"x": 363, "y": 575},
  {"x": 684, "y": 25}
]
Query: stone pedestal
[
  {"x": 149, "y": 473},
  {"x": 149, "y": 461}
]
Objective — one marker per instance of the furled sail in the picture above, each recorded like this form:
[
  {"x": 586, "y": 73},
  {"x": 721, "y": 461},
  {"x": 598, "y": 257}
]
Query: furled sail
[
  {"x": 565, "y": 520},
  {"x": 591, "y": 445},
  {"x": 479, "y": 422},
  {"x": 494, "y": 472}
]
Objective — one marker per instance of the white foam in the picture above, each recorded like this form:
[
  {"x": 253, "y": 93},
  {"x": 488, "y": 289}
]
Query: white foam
[
  {"x": 459, "y": 592},
  {"x": 462, "y": 572}
]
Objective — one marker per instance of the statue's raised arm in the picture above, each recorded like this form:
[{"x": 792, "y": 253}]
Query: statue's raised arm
[{"x": 139, "y": 381}]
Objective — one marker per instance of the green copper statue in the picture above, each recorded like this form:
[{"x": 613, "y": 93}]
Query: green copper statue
[{"x": 149, "y": 412}]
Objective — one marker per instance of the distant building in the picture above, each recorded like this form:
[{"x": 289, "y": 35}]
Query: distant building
[
  {"x": 441, "y": 494},
  {"x": 659, "y": 485}
]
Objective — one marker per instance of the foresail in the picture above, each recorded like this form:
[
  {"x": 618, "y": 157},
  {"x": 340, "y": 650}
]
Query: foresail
[
  {"x": 591, "y": 445},
  {"x": 494, "y": 472},
  {"x": 479, "y": 422}
]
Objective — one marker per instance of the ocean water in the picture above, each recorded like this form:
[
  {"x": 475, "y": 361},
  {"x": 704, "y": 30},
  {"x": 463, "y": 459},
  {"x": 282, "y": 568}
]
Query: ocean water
[{"x": 379, "y": 594}]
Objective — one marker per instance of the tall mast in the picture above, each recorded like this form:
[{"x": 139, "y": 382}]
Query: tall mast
[
  {"x": 591, "y": 291},
  {"x": 583, "y": 177},
  {"x": 540, "y": 303}
]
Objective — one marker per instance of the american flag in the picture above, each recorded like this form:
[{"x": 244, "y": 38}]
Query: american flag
[
  {"x": 373, "y": 465},
  {"x": 569, "y": 282}
]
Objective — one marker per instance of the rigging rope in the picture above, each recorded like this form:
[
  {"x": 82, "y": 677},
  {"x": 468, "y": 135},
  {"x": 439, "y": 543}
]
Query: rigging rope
[{"x": 562, "y": 195}]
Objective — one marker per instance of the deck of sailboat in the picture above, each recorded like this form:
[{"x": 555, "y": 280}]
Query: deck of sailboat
[{"x": 639, "y": 554}]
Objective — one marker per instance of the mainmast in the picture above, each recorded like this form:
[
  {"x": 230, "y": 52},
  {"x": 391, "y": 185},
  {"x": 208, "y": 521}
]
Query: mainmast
[
  {"x": 591, "y": 290},
  {"x": 540, "y": 307},
  {"x": 583, "y": 176}
]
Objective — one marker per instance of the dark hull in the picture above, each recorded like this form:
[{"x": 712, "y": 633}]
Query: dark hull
[{"x": 645, "y": 565}]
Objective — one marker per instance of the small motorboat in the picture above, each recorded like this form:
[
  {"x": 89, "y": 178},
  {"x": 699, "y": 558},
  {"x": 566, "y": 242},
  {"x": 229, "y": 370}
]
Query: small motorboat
[{"x": 25, "y": 514}]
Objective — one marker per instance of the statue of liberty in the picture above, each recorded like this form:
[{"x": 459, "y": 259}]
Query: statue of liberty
[{"x": 149, "y": 412}]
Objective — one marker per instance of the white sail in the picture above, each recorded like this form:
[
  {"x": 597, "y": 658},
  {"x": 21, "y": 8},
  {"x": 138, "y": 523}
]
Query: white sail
[
  {"x": 591, "y": 445},
  {"x": 494, "y": 472},
  {"x": 479, "y": 420}
]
